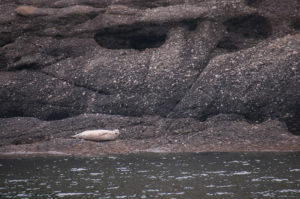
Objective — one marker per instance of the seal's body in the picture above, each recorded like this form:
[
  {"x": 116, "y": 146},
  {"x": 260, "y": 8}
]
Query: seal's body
[{"x": 98, "y": 135}]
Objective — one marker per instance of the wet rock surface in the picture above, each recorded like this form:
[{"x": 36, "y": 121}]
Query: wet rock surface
[
  {"x": 156, "y": 70},
  {"x": 147, "y": 134}
]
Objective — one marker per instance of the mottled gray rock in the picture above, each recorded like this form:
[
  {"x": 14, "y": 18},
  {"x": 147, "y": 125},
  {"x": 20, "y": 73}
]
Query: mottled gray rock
[
  {"x": 38, "y": 95},
  {"x": 155, "y": 62},
  {"x": 258, "y": 83},
  {"x": 30, "y": 130},
  {"x": 148, "y": 134}
]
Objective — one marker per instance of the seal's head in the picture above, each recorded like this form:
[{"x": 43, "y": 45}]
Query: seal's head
[{"x": 116, "y": 131}]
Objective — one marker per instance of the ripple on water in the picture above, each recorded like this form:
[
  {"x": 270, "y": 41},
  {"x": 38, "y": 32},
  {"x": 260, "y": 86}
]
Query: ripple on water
[
  {"x": 216, "y": 172},
  {"x": 143, "y": 171},
  {"x": 184, "y": 178},
  {"x": 96, "y": 174},
  {"x": 220, "y": 194},
  {"x": 123, "y": 169},
  {"x": 226, "y": 186},
  {"x": 17, "y": 180},
  {"x": 61, "y": 195},
  {"x": 279, "y": 180},
  {"x": 112, "y": 157},
  {"x": 242, "y": 173},
  {"x": 264, "y": 193},
  {"x": 124, "y": 196},
  {"x": 170, "y": 193},
  {"x": 78, "y": 169},
  {"x": 188, "y": 188},
  {"x": 112, "y": 188}
]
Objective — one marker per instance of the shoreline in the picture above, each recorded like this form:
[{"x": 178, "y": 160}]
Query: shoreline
[
  {"x": 49, "y": 154},
  {"x": 82, "y": 148},
  {"x": 221, "y": 133}
]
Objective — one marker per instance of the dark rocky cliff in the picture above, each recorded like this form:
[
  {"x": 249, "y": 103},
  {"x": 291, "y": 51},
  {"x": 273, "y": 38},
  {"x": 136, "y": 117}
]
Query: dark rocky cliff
[{"x": 149, "y": 68}]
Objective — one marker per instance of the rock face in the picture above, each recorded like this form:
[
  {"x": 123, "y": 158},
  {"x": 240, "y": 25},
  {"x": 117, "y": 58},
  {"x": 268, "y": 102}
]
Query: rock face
[
  {"x": 258, "y": 83},
  {"x": 191, "y": 59}
]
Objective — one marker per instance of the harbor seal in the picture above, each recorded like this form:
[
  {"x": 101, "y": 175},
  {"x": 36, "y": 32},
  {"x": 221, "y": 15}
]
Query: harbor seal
[{"x": 98, "y": 135}]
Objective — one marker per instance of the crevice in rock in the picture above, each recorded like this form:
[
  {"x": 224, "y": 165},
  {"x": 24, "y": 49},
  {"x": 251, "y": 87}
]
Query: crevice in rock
[
  {"x": 296, "y": 24},
  {"x": 144, "y": 4},
  {"x": 74, "y": 19},
  {"x": 26, "y": 140},
  {"x": 293, "y": 122},
  {"x": 244, "y": 32},
  {"x": 75, "y": 84},
  {"x": 3, "y": 62},
  {"x": 190, "y": 87},
  {"x": 229, "y": 44},
  {"x": 253, "y": 3},
  {"x": 190, "y": 24},
  {"x": 16, "y": 112},
  {"x": 58, "y": 115},
  {"x": 6, "y": 38},
  {"x": 28, "y": 66},
  {"x": 250, "y": 26},
  {"x": 33, "y": 64},
  {"x": 254, "y": 117},
  {"x": 139, "y": 37}
]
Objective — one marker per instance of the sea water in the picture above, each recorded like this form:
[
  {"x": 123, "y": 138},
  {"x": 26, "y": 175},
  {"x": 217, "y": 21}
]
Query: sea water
[{"x": 174, "y": 176}]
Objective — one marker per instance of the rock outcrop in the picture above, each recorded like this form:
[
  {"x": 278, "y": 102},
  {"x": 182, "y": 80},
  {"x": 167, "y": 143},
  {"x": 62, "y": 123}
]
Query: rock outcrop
[{"x": 182, "y": 61}]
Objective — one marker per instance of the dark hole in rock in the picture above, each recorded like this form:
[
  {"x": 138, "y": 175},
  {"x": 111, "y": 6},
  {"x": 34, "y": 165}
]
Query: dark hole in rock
[
  {"x": 254, "y": 112},
  {"x": 245, "y": 32},
  {"x": 253, "y": 3},
  {"x": 28, "y": 66},
  {"x": 58, "y": 115},
  {"x": 3, "y": 62},
  {"x": 254, "y": 118},
  {"x": 92, "y": 15},
  {"x": 28, "y": 140},
  {"x": 10, "y": 110},
  {"x": 55, "y": 52},
  {"x": 190, "y": 24},
  {"x": 5, "y": 38},
  {"x": 293, "y": 123},
  {"x": 143, "y": 4},
  {"x": 294, "y": 126},
  {"x": 138, "y": 38},
  {"x": 72, "y": 20},
  {"x": 296, "y": 24},
  {"x": 250, "y": 26},
  {"x": 16, "y": 59},
  {"x": 59, "y": 37},
  {"x": 17, "y": 142},
  {"x": 228, "y": 44}
]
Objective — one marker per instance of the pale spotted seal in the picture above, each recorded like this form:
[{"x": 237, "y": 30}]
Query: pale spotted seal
[{"x": 98, "y": 135}]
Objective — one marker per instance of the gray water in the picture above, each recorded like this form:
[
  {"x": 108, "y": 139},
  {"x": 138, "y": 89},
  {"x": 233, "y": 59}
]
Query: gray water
[{"x": 189, "y": 176}]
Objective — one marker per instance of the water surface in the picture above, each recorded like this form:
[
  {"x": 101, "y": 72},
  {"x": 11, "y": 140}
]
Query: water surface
[{"x": 192, "y": 176}]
